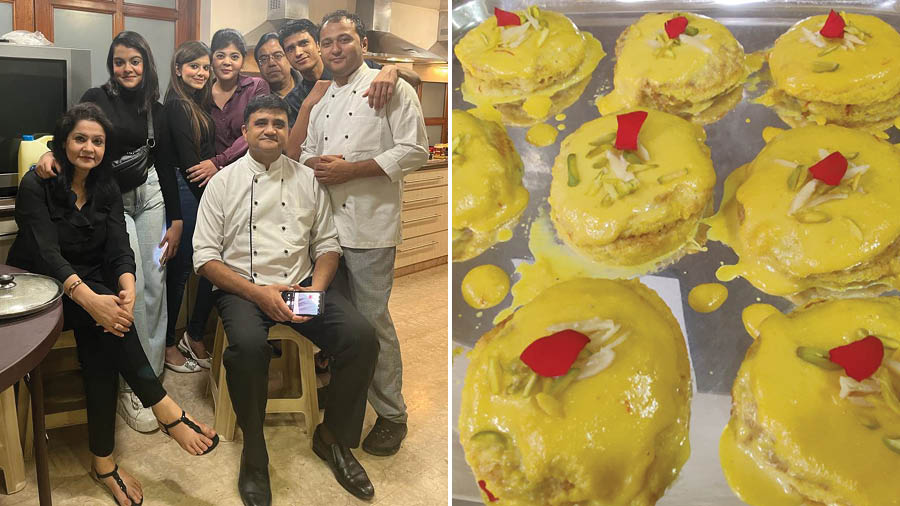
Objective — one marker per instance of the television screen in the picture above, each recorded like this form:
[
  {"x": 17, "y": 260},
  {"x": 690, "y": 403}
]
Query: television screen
[{"x": 34, "y": 95}]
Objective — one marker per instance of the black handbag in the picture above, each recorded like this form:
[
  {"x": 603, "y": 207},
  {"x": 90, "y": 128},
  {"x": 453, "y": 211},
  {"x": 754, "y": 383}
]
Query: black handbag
[{"x": 130, "y": 170}]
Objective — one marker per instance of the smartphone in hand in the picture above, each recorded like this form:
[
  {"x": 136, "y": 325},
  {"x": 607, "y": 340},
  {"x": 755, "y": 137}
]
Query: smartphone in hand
[{"x": 304, "y": 303}]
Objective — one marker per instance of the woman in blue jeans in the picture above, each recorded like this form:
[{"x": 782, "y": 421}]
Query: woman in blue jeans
[
  {"x": 152, "y": 210},
  {"x": 190, "y": 139}
]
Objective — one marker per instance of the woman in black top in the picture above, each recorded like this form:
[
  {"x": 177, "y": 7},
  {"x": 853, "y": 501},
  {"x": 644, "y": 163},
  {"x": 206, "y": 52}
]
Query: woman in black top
[
  {"x": 127, "y": 99},
  {"x": 190, "y": 138},
  {"x": 72, "y": 227}
]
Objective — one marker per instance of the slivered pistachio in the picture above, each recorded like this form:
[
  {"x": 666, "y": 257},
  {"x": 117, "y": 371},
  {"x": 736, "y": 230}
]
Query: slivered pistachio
[
  {"x": 534, "y": 11},
  {"x": 691, "y": 30},
  {"x": 530, "y": 384},
  {"x": 599, "y": 150},
  {"x": 819, "y": 66},
  {"x": 892, "y": 443},
  {"x": 632, "y": 157},
  {"x": 549, "y": 404},
  {"x": 573, "y": 170},
  {"x": 606, "y": 139},
  {"x": 489, "y": 437},
  {"x": 854, "y": 229},
  {"x": 611, "y": 191},
  {"x": 852, "y": 29},
  {"x": 625, "y": 187},
  {"x": 563, "y": 382},
  {"x": 812, "y": 217},
  {"x": 829, "y": 49},
  {"x": 495, "y": 375},
  {"x": 607, "y": 201},
  {"x": 671, "y": 176},
  {"x": 640, "y": 167},
  {"x": 668, "y": 53},
  {"x": 816, "y": 357},
  {"x": 484, "y": 38},
  {"x": 795, "y": 175},
  {"x": 803, "y": 178},
  {"x": 868, "y": 421},
  {"x": 851, "y": 156},
  {"x": 861, "y": 333},
  {"x": 854, "y": 183},
  {"x": 601, "y": 163}
]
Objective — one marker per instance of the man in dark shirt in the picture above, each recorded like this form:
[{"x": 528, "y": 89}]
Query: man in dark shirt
[
  {"x": 276, "y": 70},
  {"x": 300, "y": 43}
]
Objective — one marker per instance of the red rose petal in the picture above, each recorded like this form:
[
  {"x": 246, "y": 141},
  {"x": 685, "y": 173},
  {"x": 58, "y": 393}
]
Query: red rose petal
[
  {"x": 629, "y": 128},
  {"x": 676, "y": 26},
  {"x": 859, "y": 359},
  {"x": 554, "y": 355},
  {"x": 834, "y": 26},
  {"x": 506, "y": 18},
  {"x": 487, "y": 492},
  {"x": 831, "y": 169}
]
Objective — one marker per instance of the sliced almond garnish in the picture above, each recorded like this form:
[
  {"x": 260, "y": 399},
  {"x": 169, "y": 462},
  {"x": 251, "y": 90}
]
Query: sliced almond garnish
[
  {"x": 814, "y": 38},
  {"x": 787, "y": 163},
  {"x": 803, "y": 196},
  {"x": 696, "y": 42},
  {"x": 850, "y": 386}
]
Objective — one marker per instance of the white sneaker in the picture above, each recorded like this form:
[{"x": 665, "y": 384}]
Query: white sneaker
[
  {"x": 185, "y": 346},
  {"x": 135, "y": 414}
]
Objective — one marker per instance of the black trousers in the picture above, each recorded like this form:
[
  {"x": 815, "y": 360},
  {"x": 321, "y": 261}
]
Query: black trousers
[
  {"x": 103, "y": 357},
  {"x": 340, "y": 331}
]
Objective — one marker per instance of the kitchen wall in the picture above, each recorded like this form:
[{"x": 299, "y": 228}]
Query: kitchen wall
[{"x": 413, "y": 23}]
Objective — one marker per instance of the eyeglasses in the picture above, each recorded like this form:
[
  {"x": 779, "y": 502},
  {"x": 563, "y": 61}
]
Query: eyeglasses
[{"x": 264, "y": 59}]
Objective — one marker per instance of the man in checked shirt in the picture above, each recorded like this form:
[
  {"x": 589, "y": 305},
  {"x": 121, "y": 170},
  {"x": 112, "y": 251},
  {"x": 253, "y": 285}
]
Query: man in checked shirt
[{"x": 361, "y": 156}]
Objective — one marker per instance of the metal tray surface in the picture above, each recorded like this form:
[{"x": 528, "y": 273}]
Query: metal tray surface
[{"x": 717, "y": 341}]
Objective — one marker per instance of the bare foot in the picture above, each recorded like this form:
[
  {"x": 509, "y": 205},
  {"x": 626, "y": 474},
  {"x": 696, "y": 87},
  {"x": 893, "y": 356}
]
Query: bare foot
[
  {"x": 192, "y": 442},
  {"x": 135, "y": 493},
  {"x": 167, "y": 411}
]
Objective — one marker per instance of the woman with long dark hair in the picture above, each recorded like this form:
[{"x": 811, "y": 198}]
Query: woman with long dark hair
[
  {"x": 231, "y": 91},
  {"x": 152, "y": 210},
  {"x": 72, "y": 227},
  {"x": 190, "y": 139}
]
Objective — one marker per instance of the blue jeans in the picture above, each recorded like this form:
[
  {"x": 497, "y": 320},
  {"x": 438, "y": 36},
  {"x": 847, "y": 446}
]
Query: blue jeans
[
  {"x": 179, "y": 269},
  {"x": 145, "y": 219}
]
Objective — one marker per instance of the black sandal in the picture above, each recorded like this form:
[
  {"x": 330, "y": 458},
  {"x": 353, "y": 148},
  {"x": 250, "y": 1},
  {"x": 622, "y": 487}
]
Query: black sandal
[
  {"x": 114, "y": 475},
  {"x": 196, "y": 428}
]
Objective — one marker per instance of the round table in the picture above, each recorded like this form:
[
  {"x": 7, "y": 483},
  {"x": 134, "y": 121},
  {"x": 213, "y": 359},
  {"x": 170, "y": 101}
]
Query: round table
[{"x": 25, "y": 343}]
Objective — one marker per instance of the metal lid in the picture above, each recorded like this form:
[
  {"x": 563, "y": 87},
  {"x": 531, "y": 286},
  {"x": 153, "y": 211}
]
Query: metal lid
[{"x": 26, "y": 293}]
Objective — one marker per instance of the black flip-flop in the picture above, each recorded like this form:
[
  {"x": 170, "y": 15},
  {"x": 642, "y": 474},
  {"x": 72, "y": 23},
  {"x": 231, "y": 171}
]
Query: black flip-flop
[
  {"x": 196, "y": 428},
  {"x": 115, "y": 475}
]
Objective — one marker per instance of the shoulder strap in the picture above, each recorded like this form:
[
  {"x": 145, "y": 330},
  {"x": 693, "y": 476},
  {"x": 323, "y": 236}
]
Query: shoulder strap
[{"x": 151, "y": 142}]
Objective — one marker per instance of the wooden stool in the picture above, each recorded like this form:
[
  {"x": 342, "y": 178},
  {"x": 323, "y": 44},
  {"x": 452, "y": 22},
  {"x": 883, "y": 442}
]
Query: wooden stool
[
  {"x": 56, "y": 363},
  {"x": 11, "y": 460},
  {"x": 304, "y": 370}
]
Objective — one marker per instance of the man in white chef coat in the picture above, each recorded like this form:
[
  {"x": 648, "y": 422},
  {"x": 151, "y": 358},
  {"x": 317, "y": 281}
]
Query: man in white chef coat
[
  {"x": 265, "y": 226},
  {"x": 361, "y": 156}
]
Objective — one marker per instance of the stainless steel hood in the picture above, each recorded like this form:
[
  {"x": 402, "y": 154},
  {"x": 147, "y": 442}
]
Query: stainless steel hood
[{"x": 375, "y": 14}]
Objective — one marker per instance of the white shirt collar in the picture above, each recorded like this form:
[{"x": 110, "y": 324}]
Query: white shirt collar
[{"x": 258, "y": 168}]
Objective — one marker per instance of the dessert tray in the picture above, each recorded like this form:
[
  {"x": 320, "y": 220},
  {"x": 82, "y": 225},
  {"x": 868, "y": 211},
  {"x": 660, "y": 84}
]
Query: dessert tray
[{"x": 716, "y": 341}]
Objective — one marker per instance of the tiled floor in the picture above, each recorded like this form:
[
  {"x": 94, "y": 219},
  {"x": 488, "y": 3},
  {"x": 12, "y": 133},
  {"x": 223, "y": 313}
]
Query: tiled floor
[{"x": 417, "y": 475}]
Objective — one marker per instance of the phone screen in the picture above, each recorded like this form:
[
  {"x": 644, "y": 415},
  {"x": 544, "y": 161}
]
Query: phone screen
[{"x": 304, "y": 303}]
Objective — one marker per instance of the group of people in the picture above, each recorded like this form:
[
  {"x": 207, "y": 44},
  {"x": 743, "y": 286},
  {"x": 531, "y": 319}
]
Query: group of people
[{"x": 289, "y": 182}]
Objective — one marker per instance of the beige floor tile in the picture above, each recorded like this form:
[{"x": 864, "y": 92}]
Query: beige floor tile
[{"x": 417, "y": 475}]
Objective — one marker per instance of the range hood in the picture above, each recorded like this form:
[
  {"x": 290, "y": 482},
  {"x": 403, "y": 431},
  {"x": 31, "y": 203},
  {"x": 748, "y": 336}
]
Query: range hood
[
  {"x": 375, "y": 14},
  {"x": 440, "y": 47}
]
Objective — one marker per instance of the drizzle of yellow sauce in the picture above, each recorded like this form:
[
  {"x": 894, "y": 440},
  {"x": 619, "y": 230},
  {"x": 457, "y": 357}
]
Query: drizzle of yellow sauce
[
  {"x": 560, "y": 117},
  {"x": 897, "y": 123},
  {"x": 485, "y": 286},
  {"x": 537, "y": 106},
  {"x": 504, "y": 235},
  {"x": 555, "y": 262},
  {"x": 541, "y": 135},
  {"x": 747, "y": 120},
  {"x": 561, "y": 127},
  {"x": 771, "y": 132},
  {"x": 753, "y": 315},
  {"x": 707, "y": 297}
]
